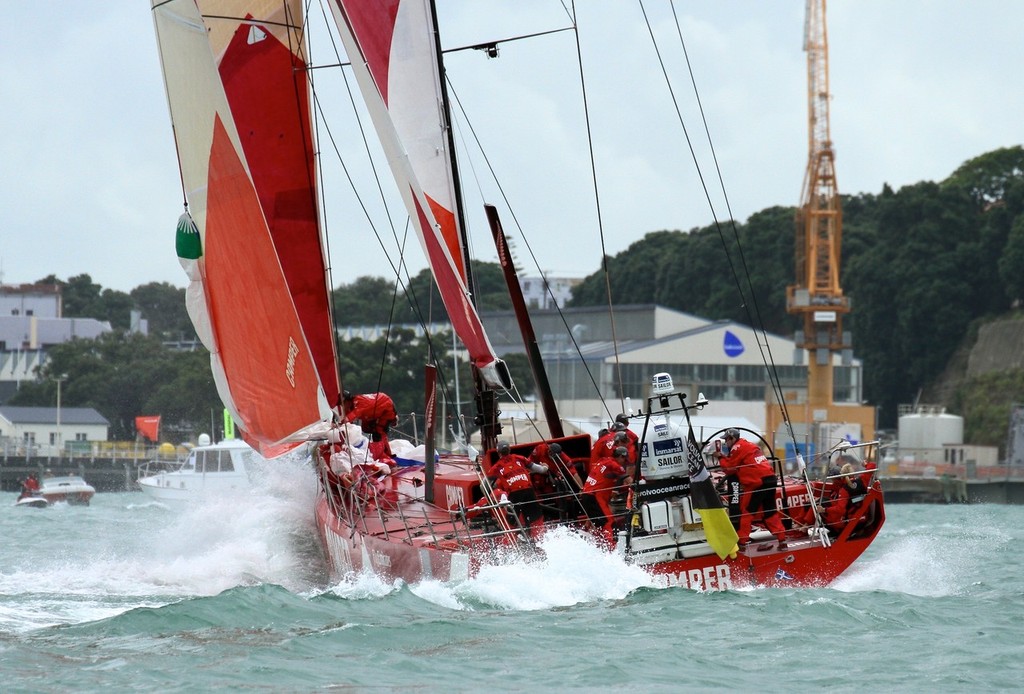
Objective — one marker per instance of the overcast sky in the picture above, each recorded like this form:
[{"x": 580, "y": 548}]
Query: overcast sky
[{"x": 90, "y": 181}]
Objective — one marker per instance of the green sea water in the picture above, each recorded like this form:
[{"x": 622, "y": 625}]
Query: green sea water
[{"x": 127, "y": 595}]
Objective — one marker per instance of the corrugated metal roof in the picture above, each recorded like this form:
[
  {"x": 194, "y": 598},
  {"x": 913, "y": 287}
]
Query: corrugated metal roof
[{"x": 48, "y": 415}]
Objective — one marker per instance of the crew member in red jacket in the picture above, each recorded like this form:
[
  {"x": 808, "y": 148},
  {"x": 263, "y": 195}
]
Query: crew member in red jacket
[
  {"x": 850, "y": 487},
  {"x": 31, "y": 483},
  {"x": 634, "y": 440},
  {"x": 757, "y": 485},
  {"x": 375, "y": 413},
  {"x": 510, "y": 475},
  {"x": 606, "y": 445},
  {"x": 605, "y": 477}
]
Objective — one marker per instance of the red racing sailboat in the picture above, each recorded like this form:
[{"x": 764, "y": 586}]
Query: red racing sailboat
[{"x": 239, "y": 82}]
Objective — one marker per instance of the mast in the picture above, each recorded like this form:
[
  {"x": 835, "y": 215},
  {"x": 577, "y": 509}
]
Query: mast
[
  {"x": 486, "y": 399},
  {"x": 515, "y": 292}
]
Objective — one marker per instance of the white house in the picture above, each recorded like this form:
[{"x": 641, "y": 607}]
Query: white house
[{"x": 43, "y": 431}]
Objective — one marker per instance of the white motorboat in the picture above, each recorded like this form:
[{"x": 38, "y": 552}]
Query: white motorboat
[
  {"x": 70, "y": 489},
  {"x": 210, "y": 469}
]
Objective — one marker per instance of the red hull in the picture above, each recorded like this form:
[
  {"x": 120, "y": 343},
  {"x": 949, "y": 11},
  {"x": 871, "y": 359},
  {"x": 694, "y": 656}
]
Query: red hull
[{"x": 413, "y": 540}]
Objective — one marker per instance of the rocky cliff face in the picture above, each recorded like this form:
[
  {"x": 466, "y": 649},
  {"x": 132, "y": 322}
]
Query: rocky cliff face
[
  {"x": 997, "y": 346},
  {"x": 1000, "y": 346}
]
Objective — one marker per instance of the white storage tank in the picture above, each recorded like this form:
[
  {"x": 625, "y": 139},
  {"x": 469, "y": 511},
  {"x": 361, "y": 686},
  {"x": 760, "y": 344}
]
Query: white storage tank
[{"x": 930, "y": 428}]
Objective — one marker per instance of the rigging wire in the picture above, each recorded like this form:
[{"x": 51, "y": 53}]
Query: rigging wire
[
  {"x": 758, "y": 324},
  {"x": 515, "y": 221},
  {"x": 600, "y": 219},
  {"x": 400, "y": 242}
]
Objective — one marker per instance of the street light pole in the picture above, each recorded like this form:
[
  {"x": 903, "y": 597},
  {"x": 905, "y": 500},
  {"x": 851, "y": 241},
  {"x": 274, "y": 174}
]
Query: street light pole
[{"x": 60, "y": 379}]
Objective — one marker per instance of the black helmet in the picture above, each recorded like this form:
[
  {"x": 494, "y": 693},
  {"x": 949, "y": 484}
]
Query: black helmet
[
  {"x": 618, "y": 426},
  {"x": 622, "y": 418},
  {"x": 346, "y": 395},
  {"x": 732, "y": 433},
  {"x": 620, "y": 452},
  {"x": 554, "y": 449},
  {"x": 503, "y": 448},
  {"x": 620, "y": 437}
]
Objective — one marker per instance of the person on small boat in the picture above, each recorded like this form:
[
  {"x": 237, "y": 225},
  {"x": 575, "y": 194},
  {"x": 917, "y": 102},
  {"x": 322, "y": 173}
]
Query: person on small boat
[
  {"x": 510, "y": 474},
  {"x": 31, "y": 485},
  {"x": 606, "y": 477},
  {"x": 376, "y": 414},
  {"x": 757, "y": 485}
]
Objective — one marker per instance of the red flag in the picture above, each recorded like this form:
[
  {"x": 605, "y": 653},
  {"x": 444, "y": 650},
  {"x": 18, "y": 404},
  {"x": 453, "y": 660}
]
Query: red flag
[{"x": 148, "y": 426}]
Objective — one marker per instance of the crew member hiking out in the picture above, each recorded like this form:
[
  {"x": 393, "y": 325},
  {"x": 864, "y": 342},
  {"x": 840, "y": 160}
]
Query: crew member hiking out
[{"x": 757, "y": 485}]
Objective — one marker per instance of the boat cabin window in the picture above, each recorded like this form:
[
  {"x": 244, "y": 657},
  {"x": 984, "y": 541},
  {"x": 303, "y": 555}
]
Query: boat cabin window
[{"x": 214, "y": 461}]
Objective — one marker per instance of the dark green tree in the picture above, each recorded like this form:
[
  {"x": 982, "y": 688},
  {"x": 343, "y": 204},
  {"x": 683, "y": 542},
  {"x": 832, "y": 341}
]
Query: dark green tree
[
  {"x": 125, "y": 375},
  {"x": 1011, "y": 262},
  {"x": 163, "y": 305},
  {"x": 366, "y": 301}
]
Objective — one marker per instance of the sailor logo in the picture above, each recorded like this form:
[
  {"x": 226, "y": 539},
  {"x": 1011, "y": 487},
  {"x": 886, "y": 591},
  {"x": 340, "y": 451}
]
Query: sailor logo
[{"x": 661, "y": 430}]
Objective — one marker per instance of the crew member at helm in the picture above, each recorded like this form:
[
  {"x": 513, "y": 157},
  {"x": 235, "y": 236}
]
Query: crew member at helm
[{"x": 757, "y": 485}]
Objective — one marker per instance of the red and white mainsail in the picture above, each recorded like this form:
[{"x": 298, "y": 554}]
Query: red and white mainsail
[
  {"x": 239, "y": 102},
  {"x": 392, "y": 47}
]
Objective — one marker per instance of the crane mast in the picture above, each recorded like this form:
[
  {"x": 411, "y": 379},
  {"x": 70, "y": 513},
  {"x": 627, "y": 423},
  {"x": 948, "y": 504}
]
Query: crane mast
[{"x": 817, "y": 296}]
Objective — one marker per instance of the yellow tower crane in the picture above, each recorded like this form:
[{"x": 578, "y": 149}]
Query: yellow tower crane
[{"x": 817, "y": 296}]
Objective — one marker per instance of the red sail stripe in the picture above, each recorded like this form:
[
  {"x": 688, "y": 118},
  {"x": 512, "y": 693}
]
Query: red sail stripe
[
  {"x": 271, "y": 376},
  {"x": 276, "y": 138}
]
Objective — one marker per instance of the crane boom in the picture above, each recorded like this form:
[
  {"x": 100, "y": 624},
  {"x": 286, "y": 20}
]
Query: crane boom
[{"x": 817, "y": 295}]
